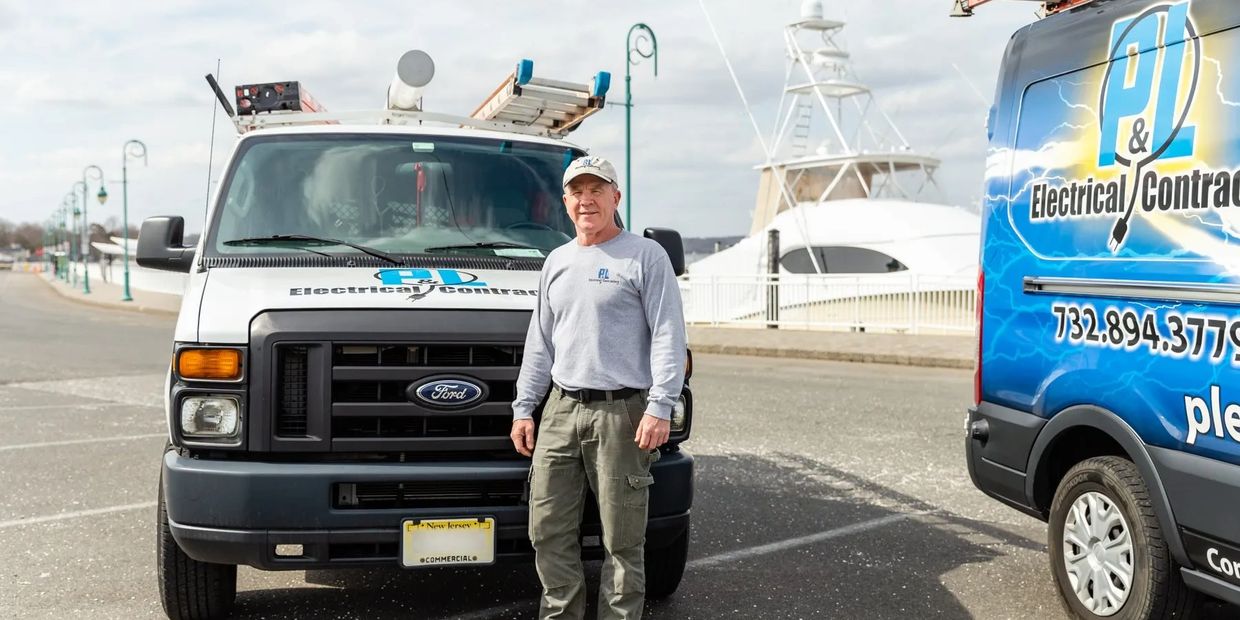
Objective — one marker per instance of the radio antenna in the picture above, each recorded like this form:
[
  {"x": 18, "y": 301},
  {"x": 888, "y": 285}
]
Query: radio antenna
[{"x": 211, "y": 152}]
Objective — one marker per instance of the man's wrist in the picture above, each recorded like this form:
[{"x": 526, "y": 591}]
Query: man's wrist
[{"x": 658, "y": 410}]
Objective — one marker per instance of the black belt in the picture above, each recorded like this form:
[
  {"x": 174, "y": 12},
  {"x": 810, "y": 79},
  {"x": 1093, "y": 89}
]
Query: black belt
[{"x": 586, "y": 396}]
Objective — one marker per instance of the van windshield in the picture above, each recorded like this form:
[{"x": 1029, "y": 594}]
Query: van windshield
[{"x": 395, "y": 194}]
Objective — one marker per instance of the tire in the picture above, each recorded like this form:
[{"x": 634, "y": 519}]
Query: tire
[
  {"x": 1113, "y": 509},
  {"x": 189, "y": 589},
  {"x": 665, "y": 567}
]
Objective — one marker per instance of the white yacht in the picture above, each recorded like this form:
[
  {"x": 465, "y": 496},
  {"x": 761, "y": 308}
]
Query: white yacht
[{"x": 844, "y": 190}]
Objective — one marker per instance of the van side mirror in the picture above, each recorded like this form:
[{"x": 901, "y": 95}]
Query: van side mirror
[
  {"x": 670, "y": 240},
  {"x": 160, "y": 245}
]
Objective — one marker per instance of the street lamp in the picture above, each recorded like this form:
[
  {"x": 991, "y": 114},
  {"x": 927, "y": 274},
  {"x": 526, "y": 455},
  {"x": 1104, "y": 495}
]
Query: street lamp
[
  {"x": 103, "y": 197},
  {"x": 631, "y": 46},
  {"x": 135, "y": 149},
  {"x": 75, "y": 242},
  {"x": 66, "y": 207},
  {"x": 47, "y": 242}
]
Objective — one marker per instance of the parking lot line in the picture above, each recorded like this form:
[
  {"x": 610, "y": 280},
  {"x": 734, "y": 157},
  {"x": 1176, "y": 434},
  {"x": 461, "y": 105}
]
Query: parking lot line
[
  {"x": 74, "y": 442},
  {"x": 64, "y": 406},
  {"x": 74, "y": 515},
  {"x": 801, "y": 541}
]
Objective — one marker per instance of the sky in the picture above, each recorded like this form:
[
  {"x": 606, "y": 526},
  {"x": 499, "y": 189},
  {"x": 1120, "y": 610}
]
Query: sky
[{"x": 83, "y": 78}]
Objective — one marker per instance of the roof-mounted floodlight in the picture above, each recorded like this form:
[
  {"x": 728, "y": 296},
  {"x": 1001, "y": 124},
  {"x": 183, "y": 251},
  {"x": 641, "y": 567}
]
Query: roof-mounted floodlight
[{"x": 413, "y": 72}]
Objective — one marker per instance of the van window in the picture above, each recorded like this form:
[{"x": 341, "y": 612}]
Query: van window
[
  {"x": 840, "y": 259},
  {"x": 400, "y": 194}
]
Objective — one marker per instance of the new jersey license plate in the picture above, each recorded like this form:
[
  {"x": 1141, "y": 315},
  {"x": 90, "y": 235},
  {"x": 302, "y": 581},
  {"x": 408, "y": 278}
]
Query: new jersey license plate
[{"x": 447, "y": 542}]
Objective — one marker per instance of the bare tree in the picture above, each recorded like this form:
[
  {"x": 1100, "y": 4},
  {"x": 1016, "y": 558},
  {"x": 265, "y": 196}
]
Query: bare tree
[{"x": 28, "y": 236}]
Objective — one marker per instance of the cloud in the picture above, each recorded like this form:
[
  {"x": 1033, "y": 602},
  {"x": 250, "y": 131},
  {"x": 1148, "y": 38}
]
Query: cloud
[
  {"x": 10, "y": 19},
  {"x": 86, "y": 77}
]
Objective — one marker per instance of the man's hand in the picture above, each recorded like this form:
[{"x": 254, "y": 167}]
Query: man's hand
[
  {"x": 652, "y": 432},
  {"x": 523, "y": 436}
]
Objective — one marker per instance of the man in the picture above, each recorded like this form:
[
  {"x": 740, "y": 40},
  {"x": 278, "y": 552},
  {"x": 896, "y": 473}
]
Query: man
[{"x": 608, "y": 338}]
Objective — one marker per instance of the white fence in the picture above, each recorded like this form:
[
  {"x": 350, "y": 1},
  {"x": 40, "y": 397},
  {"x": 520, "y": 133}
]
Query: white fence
[
  {"x": 906, "y": 303},
  {"x": 140, "y": 278}
]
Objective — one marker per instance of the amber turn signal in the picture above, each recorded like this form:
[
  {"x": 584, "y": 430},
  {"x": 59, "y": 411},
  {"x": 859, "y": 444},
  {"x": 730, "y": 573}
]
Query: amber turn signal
[{"x": 209, "y": 364}]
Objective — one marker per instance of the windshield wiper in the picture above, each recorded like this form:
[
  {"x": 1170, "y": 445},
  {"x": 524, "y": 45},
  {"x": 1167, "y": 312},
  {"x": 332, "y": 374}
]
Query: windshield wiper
[
  {"x": 277, "y": 239},
  {"x": 484, "y": 245}
]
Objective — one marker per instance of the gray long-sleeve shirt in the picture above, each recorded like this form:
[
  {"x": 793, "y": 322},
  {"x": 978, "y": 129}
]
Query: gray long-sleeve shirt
[{"x": 609, "y": 316}]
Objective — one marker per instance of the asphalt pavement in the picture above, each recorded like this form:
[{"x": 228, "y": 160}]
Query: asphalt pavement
[{"x": 824, "y": 490}]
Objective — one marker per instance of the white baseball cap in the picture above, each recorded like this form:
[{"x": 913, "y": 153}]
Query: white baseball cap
[{"x": 596, "y": 166}]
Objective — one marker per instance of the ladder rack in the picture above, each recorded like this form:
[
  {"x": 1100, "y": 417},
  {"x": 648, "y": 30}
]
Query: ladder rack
[
  {"x": 964, "y": 8},
  {"x": 559, "y": 107},
  {"x": 521, "y": 104},
  {"x": 251, "y": 122}
]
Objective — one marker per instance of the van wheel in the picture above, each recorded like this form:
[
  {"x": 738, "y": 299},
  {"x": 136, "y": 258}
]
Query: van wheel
[
  {"x": 665, "y": 567},
  {"x": 1107, "y": 551},
  {"x": 189, "y": 589}
]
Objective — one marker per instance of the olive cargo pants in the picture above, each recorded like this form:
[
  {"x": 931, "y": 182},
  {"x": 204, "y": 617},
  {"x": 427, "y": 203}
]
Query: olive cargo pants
[{"x": 579, "y": 444}]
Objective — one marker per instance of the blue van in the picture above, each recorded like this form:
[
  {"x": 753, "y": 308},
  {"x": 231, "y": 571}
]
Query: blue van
[{"x": 1107, "y": 387}]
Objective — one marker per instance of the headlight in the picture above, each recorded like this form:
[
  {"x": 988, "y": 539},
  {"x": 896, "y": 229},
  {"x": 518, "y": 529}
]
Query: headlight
[
  {"x": 210, "y": 417},
  {"x": 678, "y": 415}
]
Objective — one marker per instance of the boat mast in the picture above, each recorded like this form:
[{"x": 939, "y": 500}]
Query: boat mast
[{"x": 854, "y": 151}]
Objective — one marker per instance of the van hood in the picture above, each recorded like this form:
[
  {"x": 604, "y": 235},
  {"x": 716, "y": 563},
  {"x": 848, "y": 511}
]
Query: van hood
[{"x": 233, "y": 296}]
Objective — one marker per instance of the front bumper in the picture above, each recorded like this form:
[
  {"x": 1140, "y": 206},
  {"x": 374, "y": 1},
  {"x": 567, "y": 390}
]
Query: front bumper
[{"x": 236, "y": 512}]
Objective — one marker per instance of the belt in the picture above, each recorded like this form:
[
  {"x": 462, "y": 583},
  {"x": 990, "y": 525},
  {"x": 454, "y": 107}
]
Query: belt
[{"x": 586, "y": 396}]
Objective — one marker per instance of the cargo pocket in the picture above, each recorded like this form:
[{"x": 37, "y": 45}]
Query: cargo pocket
[
  {"x": 637, "y": 495},
  {"x": 629, "y": 516}
]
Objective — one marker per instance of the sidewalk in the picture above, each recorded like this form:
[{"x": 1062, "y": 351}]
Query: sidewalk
[
  {"x": 902, "y": 349},
  {"x": 108, "y": 294}
]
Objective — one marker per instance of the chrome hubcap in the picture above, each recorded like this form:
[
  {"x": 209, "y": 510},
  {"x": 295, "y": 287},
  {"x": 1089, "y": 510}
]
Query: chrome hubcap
[{"x": 1097, "y": 553}]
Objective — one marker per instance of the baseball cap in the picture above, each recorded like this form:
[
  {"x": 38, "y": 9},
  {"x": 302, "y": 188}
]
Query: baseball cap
[{"x": 596, "y": 166}]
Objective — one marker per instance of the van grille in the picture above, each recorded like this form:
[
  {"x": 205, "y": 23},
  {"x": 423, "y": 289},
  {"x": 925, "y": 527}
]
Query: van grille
[
  {"x": 428, "y": 494},
  {"x": 291, "y": 412},
  {"x": 366, "y": 408}
]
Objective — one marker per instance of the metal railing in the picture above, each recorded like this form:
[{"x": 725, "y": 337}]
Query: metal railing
[{"x": 898, "y": 302}]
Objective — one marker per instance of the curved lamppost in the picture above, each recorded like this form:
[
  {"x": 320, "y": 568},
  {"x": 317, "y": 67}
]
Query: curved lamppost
[
  {"x": 75, "y": 242},
  {"x": 634, "y": 46},
  {"x": 134, "y": 149},
  {"x": 66, "y": 208},
  {"x": 48, "y": 229},
  {"x": 103, "y": 197}
]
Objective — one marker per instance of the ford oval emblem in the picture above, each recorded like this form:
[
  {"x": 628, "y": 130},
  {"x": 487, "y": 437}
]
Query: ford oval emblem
[{"x": 446, "y": 392}]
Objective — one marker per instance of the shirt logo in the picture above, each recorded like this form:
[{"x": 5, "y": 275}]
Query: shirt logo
[{"x": 604, "y": 277}]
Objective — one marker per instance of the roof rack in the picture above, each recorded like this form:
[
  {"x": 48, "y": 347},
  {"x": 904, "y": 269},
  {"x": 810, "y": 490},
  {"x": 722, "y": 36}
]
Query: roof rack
[
  {"x": 521, "y": 104},
  {"x": 964, "y": 8},
  {"x": 245, "y": 123}
]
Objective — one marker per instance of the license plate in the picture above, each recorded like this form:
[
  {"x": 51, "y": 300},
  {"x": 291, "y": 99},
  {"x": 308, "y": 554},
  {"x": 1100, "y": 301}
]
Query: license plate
[{"x": 447, "y": 542}]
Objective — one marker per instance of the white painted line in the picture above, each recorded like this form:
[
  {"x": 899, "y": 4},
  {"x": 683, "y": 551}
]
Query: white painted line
[
  {"x": 792, "y": 543},
  {"x": 64, "y": 406},
  {"x": 74, "y": 442},
  {"x": 74, "y": 515}
]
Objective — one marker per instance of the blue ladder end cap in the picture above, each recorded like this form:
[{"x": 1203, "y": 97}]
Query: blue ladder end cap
[
  {"x": 525, "y": 71},
  {"x": 602, "y": 82}
]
